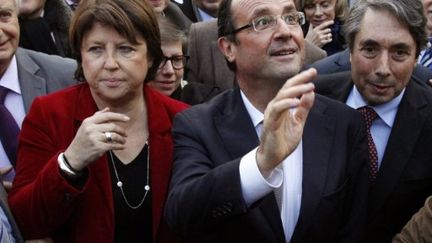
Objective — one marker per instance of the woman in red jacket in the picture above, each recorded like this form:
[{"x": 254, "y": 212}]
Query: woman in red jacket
[{"x": 94, "y": 160}]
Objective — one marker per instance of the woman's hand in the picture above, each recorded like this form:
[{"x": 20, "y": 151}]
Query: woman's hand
[
  {"x": 321, "y": 34},
  {"x": 91, "y": 141}
]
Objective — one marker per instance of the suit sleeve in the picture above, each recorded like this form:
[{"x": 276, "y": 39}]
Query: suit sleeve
[
  {"x": 41, "y": 199},
  {"x": 202, "y": 194},
  {"x": 419, "y": 228}
]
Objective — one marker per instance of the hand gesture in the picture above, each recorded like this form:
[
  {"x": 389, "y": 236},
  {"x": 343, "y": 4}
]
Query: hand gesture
[
  {"x": 3, "y": 171},
  {"x": 284, "y": 120},
  {"x": 92, "y": 141},
  {"x": 321, "y": 34}
]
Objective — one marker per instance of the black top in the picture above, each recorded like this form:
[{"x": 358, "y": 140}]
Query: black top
[{"x": 132, "y": 225}]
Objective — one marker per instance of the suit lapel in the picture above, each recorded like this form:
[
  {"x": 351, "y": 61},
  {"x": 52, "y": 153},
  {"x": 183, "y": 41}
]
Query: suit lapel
[
  {"x": 317, "y": 142},
  {"x": 408, "y": 124},
  {"x": 234, "y": 117},
  {"x": 31, "y": 84}
]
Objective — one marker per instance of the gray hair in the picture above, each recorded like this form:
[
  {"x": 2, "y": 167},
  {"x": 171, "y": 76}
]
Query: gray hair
[{"x": 408, "y": 12}]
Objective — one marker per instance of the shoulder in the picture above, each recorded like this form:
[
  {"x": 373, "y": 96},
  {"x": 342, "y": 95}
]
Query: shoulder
[
  {"x": 64, "y": 96},
  {"x": 45, "y": 60},
  {"x": 418, "y": 93},
  {"x": 50, "y": 67},
  {"x": 216, "y": 105},
  {"x": 333, "y": 106},
  {"x": 172, "y": 106},
  {"x": 58, "y": 104},
  {"x": 326, "y": 84}
]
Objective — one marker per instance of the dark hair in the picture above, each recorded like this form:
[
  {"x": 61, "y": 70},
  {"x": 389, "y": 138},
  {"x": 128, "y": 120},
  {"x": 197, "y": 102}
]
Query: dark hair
[
  {"x": 408, "y": 12},
  {"x": 225, "y": 24},
  {"x": 130, "y": 18}
]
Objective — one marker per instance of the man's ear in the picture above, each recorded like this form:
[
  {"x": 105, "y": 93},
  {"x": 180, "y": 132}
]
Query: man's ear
[{"x": 227, "y": 48}]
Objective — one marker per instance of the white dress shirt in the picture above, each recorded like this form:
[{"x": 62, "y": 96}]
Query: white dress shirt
[
  {"x": 289, "y": 175},
  {"x": 15, "y": 104},
  {"x": 382, "y": 125}
]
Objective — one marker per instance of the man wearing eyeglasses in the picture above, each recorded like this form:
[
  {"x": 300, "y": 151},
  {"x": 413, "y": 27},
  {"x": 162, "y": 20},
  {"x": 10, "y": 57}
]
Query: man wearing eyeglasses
[{"x": 269, "y": 161}]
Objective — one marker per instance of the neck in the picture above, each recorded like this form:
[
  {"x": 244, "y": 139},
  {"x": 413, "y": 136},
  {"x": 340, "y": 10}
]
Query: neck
[
  {"x": 135, "y": 108},
  {"x": 259, "y": 92}
]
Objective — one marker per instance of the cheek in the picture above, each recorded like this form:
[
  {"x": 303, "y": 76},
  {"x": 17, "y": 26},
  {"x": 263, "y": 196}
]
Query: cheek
[
  {"x": 179, "y": 74},
  {"x": 308, "y": 14},
  {"x": 330, "y": 13}
]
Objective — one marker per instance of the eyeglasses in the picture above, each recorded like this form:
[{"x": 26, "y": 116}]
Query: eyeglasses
[
  {"x": 177, "y": 62},
  {"x": 268, "y": 21}
]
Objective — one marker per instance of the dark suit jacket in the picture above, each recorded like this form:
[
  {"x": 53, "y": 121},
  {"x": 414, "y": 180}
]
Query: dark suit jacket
[
  {"x": 43, "y": 201},
  {"x": 208, "y": 66},
  {"x": 340, "y": 62},
  {"x": 405, "y": 177},
  {"x": 205, "y": 202},
  {"x": 176, "y": 16},
  {"x": 189, "y": 8}
]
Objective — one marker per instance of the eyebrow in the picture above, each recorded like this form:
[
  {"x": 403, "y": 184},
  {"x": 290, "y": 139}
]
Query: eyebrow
[
  {"x": 265, "y": 11},
  {"x": 369, "y": 42}
]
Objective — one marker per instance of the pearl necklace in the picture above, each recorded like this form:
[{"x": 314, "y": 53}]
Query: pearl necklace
[{"x": 120, "y": 183}]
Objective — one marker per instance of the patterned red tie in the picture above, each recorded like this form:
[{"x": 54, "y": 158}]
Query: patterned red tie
[{"x": 369, "y": 115}]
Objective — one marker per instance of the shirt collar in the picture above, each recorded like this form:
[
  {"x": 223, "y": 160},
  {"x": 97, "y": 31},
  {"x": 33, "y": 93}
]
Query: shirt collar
[
  {"x": 387, "y": 111},
  {"x": 204, "y": 16},
  {"x": 10, "y": 77},
  {"x": 254, "y": 113}
]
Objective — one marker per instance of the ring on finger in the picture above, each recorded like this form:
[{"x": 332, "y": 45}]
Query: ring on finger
[{"x": 108, "y": 136}]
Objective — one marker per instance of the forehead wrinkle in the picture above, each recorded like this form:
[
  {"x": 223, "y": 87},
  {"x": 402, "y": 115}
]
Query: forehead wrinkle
[{"x": 255, "y": 8}]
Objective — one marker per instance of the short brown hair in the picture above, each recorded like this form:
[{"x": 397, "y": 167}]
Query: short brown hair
[{"x": 130, "y": 18}]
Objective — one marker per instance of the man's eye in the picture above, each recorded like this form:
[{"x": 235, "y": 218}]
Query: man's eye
[
  {"x": 263, "y": 21},
  {"x": 369, "y": 51},
  {"x": 401, "y": 55},
  {"x": 4, "y": 15}
]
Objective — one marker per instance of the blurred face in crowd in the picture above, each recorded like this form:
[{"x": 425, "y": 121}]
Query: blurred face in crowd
[
  {"x": 159, "y": 5},
  {"x": 170, "y": 73},
  {"x": 209, "y": 6},
  {"x": 382, "y": 64},
  {"x": 114, "y": 68},
  {"x": 9, "y": 32},
  {"x": 31, "y": 9},
  {"x": 271, "y": 54},
  {"x": 319, "y": 11},
  {"x": 427, "y": 8}
]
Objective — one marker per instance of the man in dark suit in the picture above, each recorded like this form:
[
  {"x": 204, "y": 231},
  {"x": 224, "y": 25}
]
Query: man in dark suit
[
  {"x": 199, "y": 10},
  {"x": 268, "y": 161},
  {"x": 171, "y": 11},
  {"x": 382, "y": 66},
  {"x": 340, "y": 62}
]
